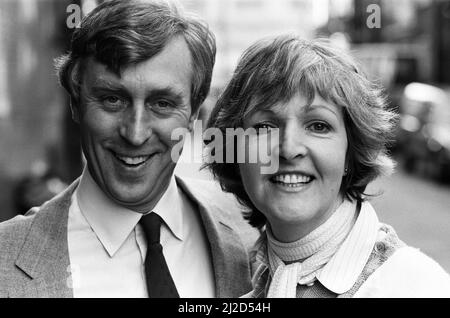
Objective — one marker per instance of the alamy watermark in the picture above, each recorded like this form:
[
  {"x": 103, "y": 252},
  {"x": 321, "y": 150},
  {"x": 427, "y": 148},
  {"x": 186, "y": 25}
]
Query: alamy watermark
[
  {"x": 74, "y": 18},
  {"x": 73, "y": 280},
  {"x": 235, "y": 145},
  {"x": 374, "y": 19},
  {"x": 75, "y": 14}
]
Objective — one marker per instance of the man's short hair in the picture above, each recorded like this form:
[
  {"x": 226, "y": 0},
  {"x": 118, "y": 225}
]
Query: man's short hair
[
  {"x": 276, "y": 69},
  {"x": 121, "y": 33}
]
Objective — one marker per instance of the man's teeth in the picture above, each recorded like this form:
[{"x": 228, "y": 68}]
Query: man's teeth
[
  {"x": 133, "y": 160},
  {"x": 292, "y": 178}
]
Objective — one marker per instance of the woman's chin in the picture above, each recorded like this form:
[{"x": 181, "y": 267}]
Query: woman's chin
[{"x": 288, "y": 215}]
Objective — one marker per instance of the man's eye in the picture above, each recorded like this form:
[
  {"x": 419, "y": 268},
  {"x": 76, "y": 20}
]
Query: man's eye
[
  {"x": 112, "y": 101},
  {"x": 319, "y": 127},
  {"x": 164, "y": 104}
]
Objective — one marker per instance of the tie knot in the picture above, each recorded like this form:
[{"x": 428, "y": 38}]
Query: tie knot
[{"x": 151, "y": 224}]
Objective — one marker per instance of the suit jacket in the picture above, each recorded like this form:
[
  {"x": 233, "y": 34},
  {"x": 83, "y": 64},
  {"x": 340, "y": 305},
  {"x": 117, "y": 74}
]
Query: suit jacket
[{"x": 34, "y": 256}]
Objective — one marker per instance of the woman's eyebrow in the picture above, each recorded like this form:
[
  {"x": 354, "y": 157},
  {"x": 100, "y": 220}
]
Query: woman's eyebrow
[
  {"x": 265, "y": 113},
  {"x": 278, "y": 110},
  {"x": 309, "y": 108}
]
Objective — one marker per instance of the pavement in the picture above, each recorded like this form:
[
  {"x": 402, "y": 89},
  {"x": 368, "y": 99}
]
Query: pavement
[{"x": 419, "y": 210}]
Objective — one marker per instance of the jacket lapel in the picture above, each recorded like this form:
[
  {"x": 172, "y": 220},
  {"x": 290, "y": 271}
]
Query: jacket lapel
[
  {"x": 44, "y": 256},
  {"x": 229, "y": 255}
]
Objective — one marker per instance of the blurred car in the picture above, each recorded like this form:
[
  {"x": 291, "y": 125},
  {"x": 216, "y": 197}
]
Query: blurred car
[{"x": 423, "y": 136}]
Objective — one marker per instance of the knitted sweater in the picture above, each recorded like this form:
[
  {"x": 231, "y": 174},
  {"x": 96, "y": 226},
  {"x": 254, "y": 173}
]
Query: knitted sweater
[{"x": 385, "y": 247}]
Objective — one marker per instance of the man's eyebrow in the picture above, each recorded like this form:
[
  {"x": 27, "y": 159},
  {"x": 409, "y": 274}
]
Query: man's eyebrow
[
  {"x": 103, "y": 84},
  {"x": 166, "y": 92},
  {"x": 174, "y": 93}
]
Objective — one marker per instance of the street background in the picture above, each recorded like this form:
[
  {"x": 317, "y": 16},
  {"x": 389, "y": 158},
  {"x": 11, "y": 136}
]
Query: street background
[{"x": 402, "y": 44}]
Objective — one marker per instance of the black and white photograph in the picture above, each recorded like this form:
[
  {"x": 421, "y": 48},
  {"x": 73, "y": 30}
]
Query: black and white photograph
[{"x": 225, "y": 149}]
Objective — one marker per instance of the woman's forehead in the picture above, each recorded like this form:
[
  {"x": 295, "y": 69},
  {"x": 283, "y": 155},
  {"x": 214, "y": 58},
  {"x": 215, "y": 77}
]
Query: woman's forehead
[{"x": 298, "y": 104}]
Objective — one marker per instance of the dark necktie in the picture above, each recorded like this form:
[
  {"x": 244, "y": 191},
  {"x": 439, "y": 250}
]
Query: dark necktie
[{"x": 159, "y": 282}]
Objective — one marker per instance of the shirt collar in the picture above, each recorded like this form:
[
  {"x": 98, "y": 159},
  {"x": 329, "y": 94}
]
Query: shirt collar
[
  {"x": 169, "y": 209},
  {"x": 112, "y": 223},
  {"x": 344, "y": 268}
]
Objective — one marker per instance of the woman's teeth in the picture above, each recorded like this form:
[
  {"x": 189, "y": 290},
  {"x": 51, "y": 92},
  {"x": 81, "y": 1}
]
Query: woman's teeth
[{"x": 292, "y": 179}]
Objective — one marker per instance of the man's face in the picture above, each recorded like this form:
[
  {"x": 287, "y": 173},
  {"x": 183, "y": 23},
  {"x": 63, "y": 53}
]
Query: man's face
[{"x": 126, "y": 124}]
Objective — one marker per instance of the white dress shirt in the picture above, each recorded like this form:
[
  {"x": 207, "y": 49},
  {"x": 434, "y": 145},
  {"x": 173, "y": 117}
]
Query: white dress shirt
[{"x": 107, "y": 246}]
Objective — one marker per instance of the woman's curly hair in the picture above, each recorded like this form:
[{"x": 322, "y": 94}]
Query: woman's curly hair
[{"x": 274, "y": 70}]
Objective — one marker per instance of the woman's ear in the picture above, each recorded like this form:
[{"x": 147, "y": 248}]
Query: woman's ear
[
  {"x": 74, "y": 108},
  {"x": 347, "y": 162}
]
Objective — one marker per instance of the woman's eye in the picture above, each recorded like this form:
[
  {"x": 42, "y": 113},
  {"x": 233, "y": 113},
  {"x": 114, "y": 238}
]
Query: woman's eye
[
  {"x": 263, "y": 128},
  {"x": 319, "y": 127}
]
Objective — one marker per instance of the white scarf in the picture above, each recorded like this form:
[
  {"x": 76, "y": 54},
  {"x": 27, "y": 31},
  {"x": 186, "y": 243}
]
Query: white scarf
[{"x": 307, "y": 256}]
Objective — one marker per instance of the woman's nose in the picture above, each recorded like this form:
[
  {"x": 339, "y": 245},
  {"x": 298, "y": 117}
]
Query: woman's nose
[
  {"x": 292, "y": 143},
  {"x": 135, "y": 128}
]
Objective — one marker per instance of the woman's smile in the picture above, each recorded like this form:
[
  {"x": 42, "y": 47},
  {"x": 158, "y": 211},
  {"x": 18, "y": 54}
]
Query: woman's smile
[{"x": 291, "y": 181}]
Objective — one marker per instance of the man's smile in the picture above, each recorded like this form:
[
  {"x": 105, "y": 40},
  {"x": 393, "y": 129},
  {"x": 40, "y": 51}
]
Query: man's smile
[{"x": 133, "y": 161}]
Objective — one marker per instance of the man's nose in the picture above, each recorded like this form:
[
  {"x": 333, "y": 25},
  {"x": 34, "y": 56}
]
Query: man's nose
[
  {"x": 135, "y": 128},
  {"x": 292, "y": 143}
]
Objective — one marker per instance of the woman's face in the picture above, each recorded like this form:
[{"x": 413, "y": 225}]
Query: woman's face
[{"x": 312, "y": 147}]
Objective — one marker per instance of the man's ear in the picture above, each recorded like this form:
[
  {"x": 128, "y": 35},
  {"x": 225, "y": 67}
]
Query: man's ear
[
  {"x": 192, "y": 119},
  {"x": 75, "y": 110}
]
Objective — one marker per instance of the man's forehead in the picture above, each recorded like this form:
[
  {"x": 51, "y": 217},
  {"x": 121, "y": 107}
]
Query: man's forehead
[
  {"x": 176, "y": 51},
  {"x": 96, "y": 68},
  {"x": 99, "y": 74},
  {"x": 132, "y": 77}
]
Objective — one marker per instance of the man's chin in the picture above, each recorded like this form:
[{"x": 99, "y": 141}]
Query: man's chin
[
  {"x": 135, "y": 203},
  {"x": 129, "y": 197},
  {"x": 137, "y": 195}
]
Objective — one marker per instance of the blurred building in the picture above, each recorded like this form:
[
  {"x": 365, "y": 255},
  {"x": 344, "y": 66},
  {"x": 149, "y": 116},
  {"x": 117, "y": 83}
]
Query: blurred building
[
  {"x": 441, "y": 13},
  {"x": 239, "y": 23},
  {"x": 32, "y": 105},
  {"x": 411, "y": 44}
]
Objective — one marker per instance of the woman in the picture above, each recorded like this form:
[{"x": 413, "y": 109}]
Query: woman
[{"x": 320, "y": 237}]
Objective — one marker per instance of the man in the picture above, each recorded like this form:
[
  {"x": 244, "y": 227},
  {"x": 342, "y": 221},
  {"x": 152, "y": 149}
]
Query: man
[{"x": 136, "y": 71}]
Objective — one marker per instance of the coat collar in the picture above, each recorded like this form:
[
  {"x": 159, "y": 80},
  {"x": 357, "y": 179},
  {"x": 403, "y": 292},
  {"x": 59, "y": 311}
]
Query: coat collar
[
  {"x": 44, "y": 255},
  {"x": 230, "y": 259}
]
